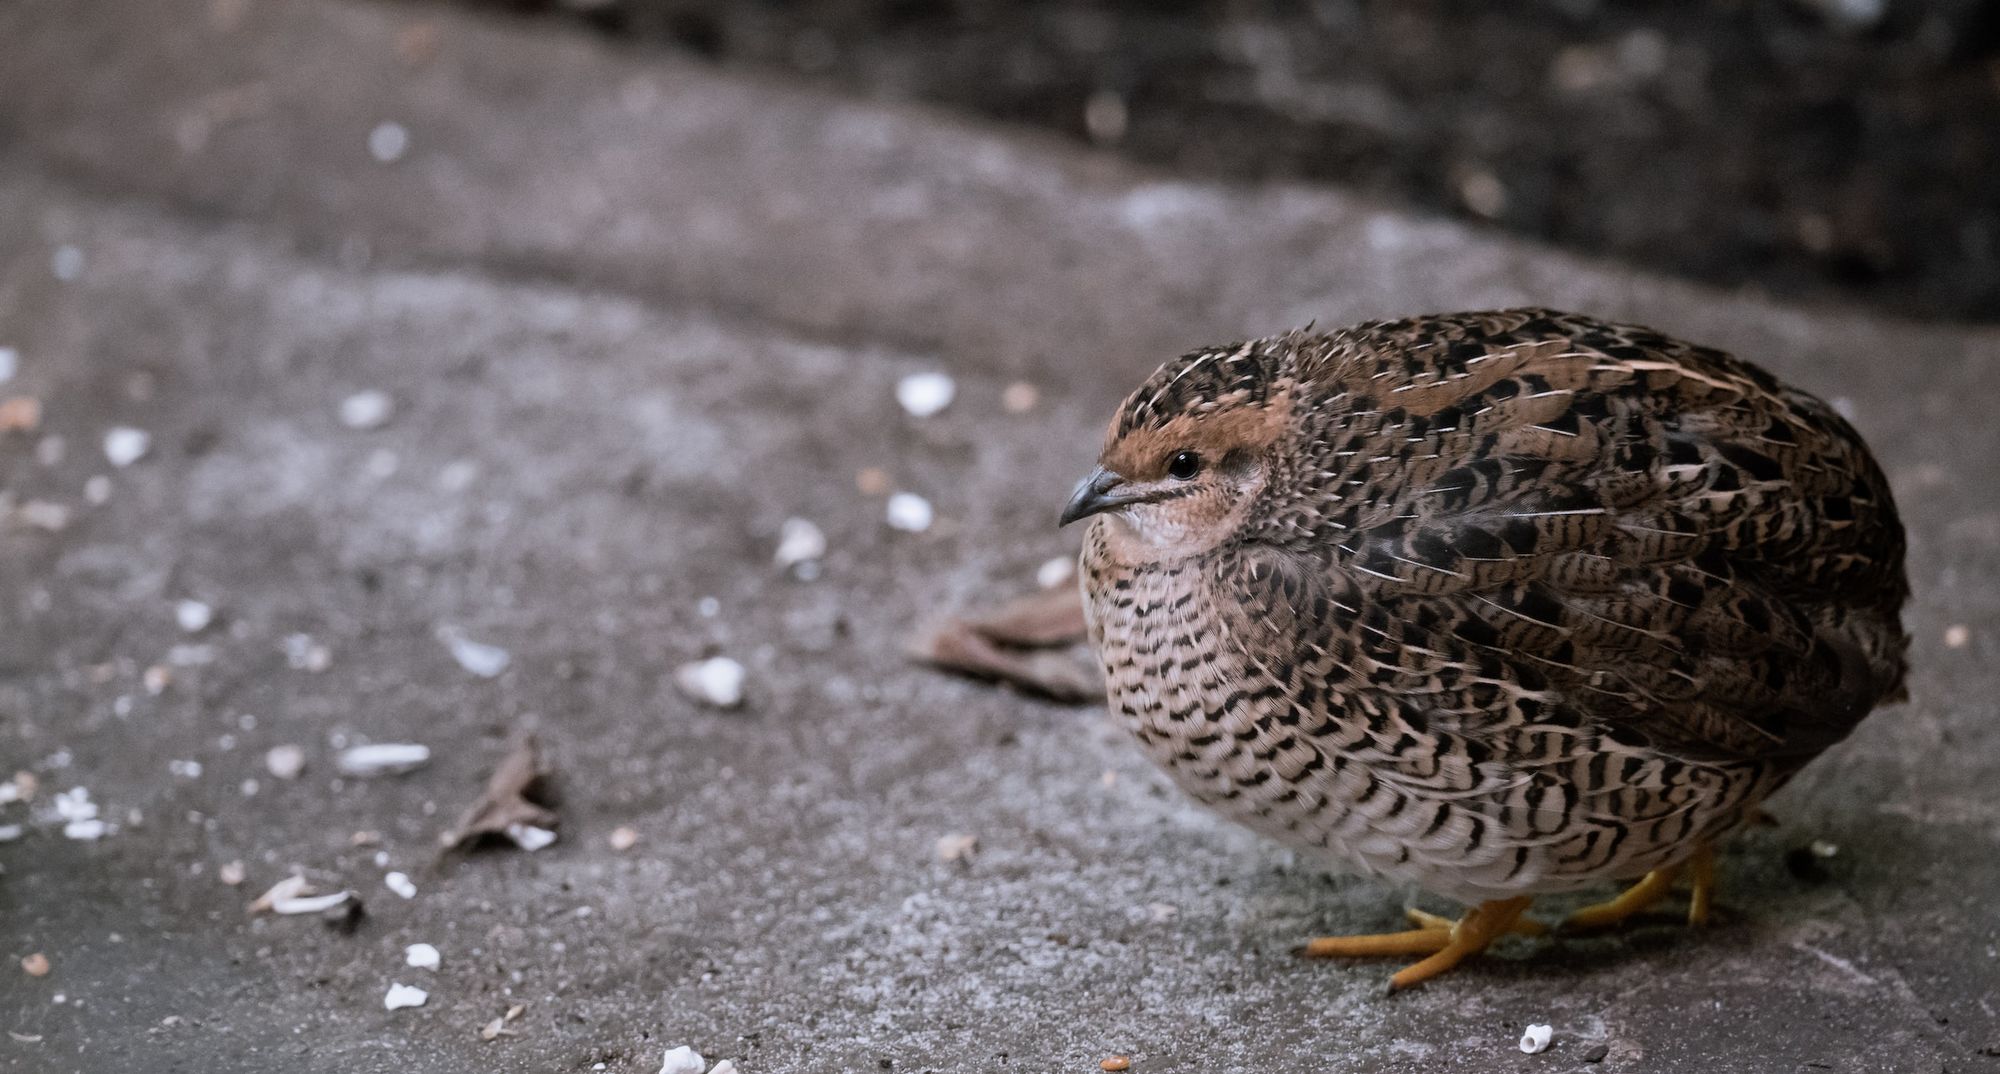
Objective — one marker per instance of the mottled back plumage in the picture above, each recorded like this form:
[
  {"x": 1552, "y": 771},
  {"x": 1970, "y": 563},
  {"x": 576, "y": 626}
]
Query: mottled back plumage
[{"x": 1506, "y": 602}]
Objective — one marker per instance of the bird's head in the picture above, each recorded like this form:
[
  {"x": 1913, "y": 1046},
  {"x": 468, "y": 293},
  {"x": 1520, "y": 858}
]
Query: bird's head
[{"x": 1187, "y": 453}]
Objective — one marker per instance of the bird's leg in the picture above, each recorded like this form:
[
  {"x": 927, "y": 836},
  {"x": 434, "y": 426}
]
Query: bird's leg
[
  {"x": 1701, "y": 871},
  {"x": 1446, "y": 942},
  {"x": 1650, "y": 889},
  {"x": 1478, "y": 928},
  {"x": 1522, "y": 926}
]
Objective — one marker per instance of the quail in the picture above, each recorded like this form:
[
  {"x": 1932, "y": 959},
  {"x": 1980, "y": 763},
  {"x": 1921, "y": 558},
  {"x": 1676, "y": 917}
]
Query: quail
[{"x": 1496, "y": 604}]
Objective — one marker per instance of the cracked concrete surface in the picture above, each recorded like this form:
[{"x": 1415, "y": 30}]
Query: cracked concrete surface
[{"x": 634, "y": 313}]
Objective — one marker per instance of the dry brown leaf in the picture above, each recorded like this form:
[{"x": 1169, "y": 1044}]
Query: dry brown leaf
[
  {"x": 1018, "y": 644},
  {"x": 508, "y": 799}
]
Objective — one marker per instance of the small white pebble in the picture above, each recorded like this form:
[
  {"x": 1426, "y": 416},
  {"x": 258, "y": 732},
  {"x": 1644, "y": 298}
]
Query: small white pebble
[
  {"x": 285, "y": 762},
  {"x": 309, "y": 904},
  {"x": 366, "y": 410},
  {"x": 1957, "y": 636},
  {"x": 388, "y": 142},
  {"x": 683, "y": 1060},
  {"x": 422, "y": 956},
  {"x": 1019, "y": 397},
  {"x": 799, "y": 541},
  {"x": 727, "y": 1066},
  {"x": 97, "y": 490},
  {"x": 43, "y": 515},
  {"x": 10, "y": 363},
  {"x": 623, "y": 838},
  {"x": 924, "y": 394},
  {"x": 231, "y": 873},
  {"x": 387, "y": 758},
  {"x": 708, "y": 607},
  {"x": 402, "y": 995},
  {"x": 483, "y": 660},
  {"x": 716, "y": 681},
  {"x": 1536, "y": 1038},
  {"x": 66, "y": 264},
  {"x": 185, "y": 769},
  {"x": 910, "y": 512},
  {"x": 530, "y": 838},
  {"x": 402, "y": 885},
  {"x": 125, "y": 445},
  {"x": 956, "y": 847},
  {"x": 305, "y": 654},
  {"x": 193, "y": 615},
  {"x": 10, "y": 832},
  {"x": 1055, "y": 572}
]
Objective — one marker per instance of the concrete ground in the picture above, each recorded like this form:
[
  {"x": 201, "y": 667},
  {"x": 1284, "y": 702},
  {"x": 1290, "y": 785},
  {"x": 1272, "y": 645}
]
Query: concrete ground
[{"x": 633, "y": 313}]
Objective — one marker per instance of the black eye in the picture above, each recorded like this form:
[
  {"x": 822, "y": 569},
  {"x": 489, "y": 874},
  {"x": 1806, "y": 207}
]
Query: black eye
[{"x": 1183, "y": 466}]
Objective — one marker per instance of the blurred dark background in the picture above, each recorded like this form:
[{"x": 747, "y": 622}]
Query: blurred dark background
[{"x": 1833, "y": 150}]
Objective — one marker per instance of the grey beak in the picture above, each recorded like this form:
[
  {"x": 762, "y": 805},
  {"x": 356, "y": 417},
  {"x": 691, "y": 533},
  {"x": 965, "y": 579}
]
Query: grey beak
[{"x": 1101, "y": 491}]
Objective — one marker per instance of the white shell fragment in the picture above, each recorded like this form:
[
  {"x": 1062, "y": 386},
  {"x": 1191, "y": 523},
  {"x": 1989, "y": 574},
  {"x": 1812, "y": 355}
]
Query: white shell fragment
[
  {"x": 124, "y": 445},
  {"x": 799, "y": 541},
  {"x": 79, "y": 815},
  {"x": 367, "y": 410},
  {"x": 193, "y": 616},
  {"x": 285, "y": 762},
  {"x": 402, "y": 995},
  {"x": 727, "y": 1066},
  {"x": 402, "y": 885},
  {"x": 422, "y": 956},
  {"x": 383, "y": 759},
  {"x": 716, "y": 681},
  {"x": 1055, "y": 572},
  {"x": 388, "y": 142},
  {"x": 683, "y": 1060},
  {"x": 1536, "y": 1038},
  {"x": 910, "y": 512},
  {"x": 481, "y": 659},
  {"x": 293, "y": 895},
  {"x": 924, "y": 394},
  {"x": 530, "y": 838}
]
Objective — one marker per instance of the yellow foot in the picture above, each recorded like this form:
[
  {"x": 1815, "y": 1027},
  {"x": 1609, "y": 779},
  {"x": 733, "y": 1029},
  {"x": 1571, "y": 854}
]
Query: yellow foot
[
  {"x": 1650, "y": 889},
  {"x": 1446, "y": 942}
]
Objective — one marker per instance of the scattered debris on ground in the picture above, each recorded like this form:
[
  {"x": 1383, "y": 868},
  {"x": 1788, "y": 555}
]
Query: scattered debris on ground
[
  {"x": 477, "y": 657},
  {"x": 801, "y": 544},
  {"x": 79, "y": 815},
  {"x": 294, "y": 895},
  {"x": 497, "y": 1028},
  {"x": 193, "y": 616},
  {"x": 716, "y": 681},
  {"x": 683, "y": 1060},
  {"x": 957, "y": 847},
  {"x": 401, "y": 884},
  {"x": 125, "y": 445},
  {"x": 1536, "y": 1038},
  {"x": 286, "y": 762},
  {"x": 366, "y": 410},
  {"x": 909, "y": 512},
  {"x": 383, "y": 759},
  {"x": 1030, "y": 643},
  {"x": 401, "y": 995},
  {"x": 422, "y": 956},
  {"x": 507, "y": 806},
  {"x": 924, "y": 394}
]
